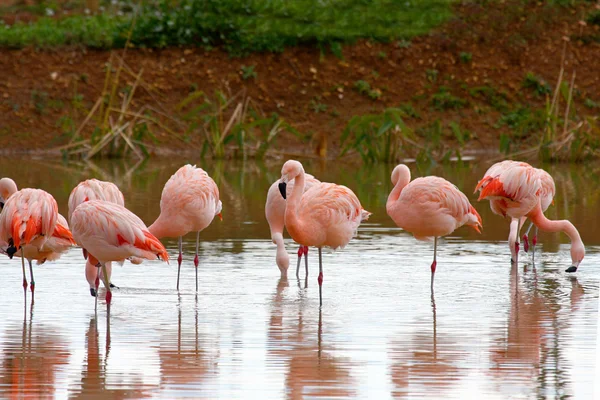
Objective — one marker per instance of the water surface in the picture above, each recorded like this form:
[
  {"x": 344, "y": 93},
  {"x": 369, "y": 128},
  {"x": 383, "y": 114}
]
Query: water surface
[{"x": 489, "y": 328}]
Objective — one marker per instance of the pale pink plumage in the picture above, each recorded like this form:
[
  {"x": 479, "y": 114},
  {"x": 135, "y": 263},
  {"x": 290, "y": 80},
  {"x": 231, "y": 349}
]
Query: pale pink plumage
[
  {"x": 275, "y": 214},
  {"x": 326, "y": 215},
  {"x": 518, "y": 192},
  {"x": 56, "y": 245},
  {"x": 189, "y": 202},
  {"x": 429, "y": 207},
  {"x": 27, "y": 221},
  {"x": 110, "y": 232},
  {"x": 94, "y": 189}
]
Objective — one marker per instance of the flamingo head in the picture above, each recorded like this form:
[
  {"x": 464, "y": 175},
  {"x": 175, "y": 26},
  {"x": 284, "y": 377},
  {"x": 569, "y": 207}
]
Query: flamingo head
[
  {"x": 401, "y": 173},
  {"x": 7, "y": 188},
  {"x": 577, "y": 254},
  {"x": 290, "y": 170}
]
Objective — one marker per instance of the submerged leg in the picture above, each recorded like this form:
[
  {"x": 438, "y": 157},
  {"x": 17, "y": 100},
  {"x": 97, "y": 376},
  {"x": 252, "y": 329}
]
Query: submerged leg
[
  {"x": 306, "y": 259},
  {"x": 23, "y": 265},
  {"x": 320, "y": 279},
  {"x": 526, "y": 238},
  {"x": 32, "y": 283},
  {"x": 300, "y": 252},
  {"x": 97, "y": 286},
  {"x": 517, "y": 243},
  {"x": 534, "y": 241},
  {"x": 179, "y": 259},
  {"x": 434, "y": 263},
  {"x": 196, "y": 258},
  {"x": 109, "y": 292}
]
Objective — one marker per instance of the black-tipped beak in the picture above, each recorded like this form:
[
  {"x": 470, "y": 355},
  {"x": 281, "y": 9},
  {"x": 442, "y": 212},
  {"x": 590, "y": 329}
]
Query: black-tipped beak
[
  {"x": 10, "y": 251},
  {"x": 1, "y": 205},
  {"x": 93, "y": 292},
  {"x": 283, "y": 189},
  {"x": 572, "y": 268}
]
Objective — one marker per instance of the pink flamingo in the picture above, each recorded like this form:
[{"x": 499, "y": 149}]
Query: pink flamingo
[
  {"x": 27, "y": 222},
  {"x": 275, "y": 213},
  {"x": 110, "y": 232},
  {"x": 93, "y": 189},
  {"x": 189, "y": 202},
  {"x": 546, "y": 196},
  {"x": 517, "y": 192},
  {"x": 325, "y": 215},
  {"x": 429, "y": 207}
]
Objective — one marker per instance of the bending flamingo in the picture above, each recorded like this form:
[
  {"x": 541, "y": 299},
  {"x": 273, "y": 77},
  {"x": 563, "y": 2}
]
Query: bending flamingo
[
  {"x": 189, "y": 203},
  {"x": 110, "y": 232},
  {"x": 429, "y": 207},
  {"x": 28, "y": 220},
  {"x": 93, "y": 189},
  {"x": 325, "y": 215},
  {"x": 517, "y": 192},
  {"x": 275, "y": 213},
  {"x": 546, "y": 196}
]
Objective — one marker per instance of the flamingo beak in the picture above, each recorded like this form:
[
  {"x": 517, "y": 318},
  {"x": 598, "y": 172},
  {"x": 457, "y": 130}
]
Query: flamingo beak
[
  {"x": 283, "y": 189},
  {"x": 220, "y": 216},
  {"x": 85, "y": 254}
]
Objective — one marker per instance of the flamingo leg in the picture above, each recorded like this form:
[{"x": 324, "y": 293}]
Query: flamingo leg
[
  {"x": 526, "y": 238},
  {"x": 534, "y": 241},
  {"x": 434, "y": 263},
  {"x": 306, "y": 259},
  {"x": 300, "y": 252},
  {"x": 32, "y": 283},
  {"x": 109, "y": 292},
  {"x": 320, "y": 279},
  {"x": 23, "y": 265},
  {"x": 179, "y": 260},
  {"x": 517, "y": 242},
  {"x": 196, "y": 258}
]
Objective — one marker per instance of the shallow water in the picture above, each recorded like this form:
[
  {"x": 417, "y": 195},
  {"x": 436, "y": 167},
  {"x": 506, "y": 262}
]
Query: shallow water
[{"x": 522, "y": 332}]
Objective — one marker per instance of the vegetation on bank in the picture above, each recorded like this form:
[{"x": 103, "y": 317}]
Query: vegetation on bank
[{"x": 241, "y": 26}]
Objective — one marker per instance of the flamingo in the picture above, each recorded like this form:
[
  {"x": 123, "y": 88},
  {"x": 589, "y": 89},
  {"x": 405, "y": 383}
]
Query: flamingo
[
  {"x": 27, "y": 222},
  {"x": 275, "y": 213},
  {"x": 546, "y": 195},
  {"x": 517, "y": 192},
  {"x": 110, "y": 232},
  {"x": 189, "y": 202},
  {"x": 93, "y": 189},
  {"x": 325, "y": 215},
  {"x": 429, "y": 207}
]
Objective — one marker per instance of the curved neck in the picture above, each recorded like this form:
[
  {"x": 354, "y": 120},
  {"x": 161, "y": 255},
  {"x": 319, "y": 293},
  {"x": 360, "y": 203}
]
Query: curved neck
[
  {"x": 159, "y": 228},
  {"x": 291, "y": 216},
  {"x": 403, "y": 180},
  {"x": 545, "y": 224}
]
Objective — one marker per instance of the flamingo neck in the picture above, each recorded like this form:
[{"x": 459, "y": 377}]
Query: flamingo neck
[
  {"x": 292, "y": 221},
  {"x": 545, "y": 224},
  {"x": 160, "y": 228},
  {"x": 282, "y": 258},
  {"x": 403, "y": 180}
]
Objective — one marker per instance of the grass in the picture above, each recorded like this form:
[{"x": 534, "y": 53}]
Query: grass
[
  {"x": 444, "y": 100},
  {"x": 240, "y": 26}
]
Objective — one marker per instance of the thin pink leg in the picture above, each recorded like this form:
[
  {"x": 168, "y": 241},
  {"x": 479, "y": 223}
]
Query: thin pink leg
[
  {"x": 434, "y": 263},
  {"x": 300, "y": 252},
  {"x": 320, "y": 279},
  {"x": 306, "y": 259}
]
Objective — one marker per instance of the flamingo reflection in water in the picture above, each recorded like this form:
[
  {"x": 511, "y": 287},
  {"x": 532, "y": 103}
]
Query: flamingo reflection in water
[
  {"x": 311, "y": 368},
  {"x": 426, "y": 360},
  {"x": 184, "y": 361},
  {"x": 529, "y": 348},
  {"x": 94, "y": 372},
  {"x": 32, "y": 357}
]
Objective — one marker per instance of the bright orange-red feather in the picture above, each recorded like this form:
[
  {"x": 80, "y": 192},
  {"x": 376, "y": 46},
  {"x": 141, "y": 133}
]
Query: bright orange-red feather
[{"x": 493, "y": 188}]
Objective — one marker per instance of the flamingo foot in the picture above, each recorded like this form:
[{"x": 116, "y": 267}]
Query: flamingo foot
[
  {"x": 433, "y": 265},
  {"x": 25, "y": 284},
  {"x": 534, "y": 241},
  {"x": 196, "y": 262},
  {"x": 32, "y": 286},
  {"x": 108, "y": 297},
  {"x": 320, "y": 279},
  {"x": 180, "y": 259},
  {"x": 526, "y": 243}
]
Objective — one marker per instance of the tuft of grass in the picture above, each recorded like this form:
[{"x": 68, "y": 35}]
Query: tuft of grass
[
  {"x": 431, "y": 75},
  {"x": 248, "y": 72},
  {"x": 539, "y": 86},
  {"x": 593, "y": 18},
  {"x": 444, "y": 100},
  {"x": 465, "y": 57},
  {"x": 495, "y": 98},
  {"x": 317, "y": 106},
  {"x": 364, "y": 87}
]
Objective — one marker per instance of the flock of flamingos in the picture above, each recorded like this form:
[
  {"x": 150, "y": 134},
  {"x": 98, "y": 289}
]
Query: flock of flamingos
[{"x": 314, "y": 213}]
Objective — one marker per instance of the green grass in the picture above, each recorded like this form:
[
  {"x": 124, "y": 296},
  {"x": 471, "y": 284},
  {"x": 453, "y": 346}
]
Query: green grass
[{"x": 240, "y": 25}]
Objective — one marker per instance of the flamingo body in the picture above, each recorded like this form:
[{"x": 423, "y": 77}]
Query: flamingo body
[{"x": 429, "y": 207}]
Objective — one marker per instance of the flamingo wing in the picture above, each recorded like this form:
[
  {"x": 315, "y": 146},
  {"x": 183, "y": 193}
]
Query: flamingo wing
[
  {"x": 99, "y": 224},
  {"x": 94, "y": 189},
  {"x": 28, "y": 214}
]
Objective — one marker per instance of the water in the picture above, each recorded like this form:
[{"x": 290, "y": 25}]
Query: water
[{"x": 489, "y": 329}]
